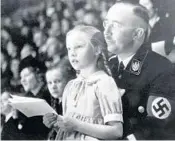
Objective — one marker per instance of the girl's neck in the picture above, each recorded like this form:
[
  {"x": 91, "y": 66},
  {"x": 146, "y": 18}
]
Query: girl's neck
[{"x": 88, "y": 70}]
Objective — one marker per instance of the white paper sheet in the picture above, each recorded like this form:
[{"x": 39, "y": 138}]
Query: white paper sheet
[{"x": 31, "y": 106}]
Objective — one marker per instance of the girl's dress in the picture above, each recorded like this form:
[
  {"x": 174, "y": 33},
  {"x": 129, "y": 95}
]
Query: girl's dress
[{"x": 95, "y": 100}]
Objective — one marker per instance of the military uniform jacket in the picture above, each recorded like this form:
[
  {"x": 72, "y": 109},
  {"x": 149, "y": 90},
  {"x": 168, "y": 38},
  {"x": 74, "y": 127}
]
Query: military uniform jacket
[{"x": 149, "y": 99}]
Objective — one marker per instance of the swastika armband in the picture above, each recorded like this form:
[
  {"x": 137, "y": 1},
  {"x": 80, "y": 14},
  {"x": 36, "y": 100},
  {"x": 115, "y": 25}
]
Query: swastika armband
[{"x": 159, "y": 107}]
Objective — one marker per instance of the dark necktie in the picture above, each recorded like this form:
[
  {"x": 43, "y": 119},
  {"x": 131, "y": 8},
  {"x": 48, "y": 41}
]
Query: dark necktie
[{"x": 121, "y": 68}]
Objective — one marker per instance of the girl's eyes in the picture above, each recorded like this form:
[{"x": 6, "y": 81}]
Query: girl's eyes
[
  {"x": 79, "y": 46},
  {"x": 75, "y": 47}
]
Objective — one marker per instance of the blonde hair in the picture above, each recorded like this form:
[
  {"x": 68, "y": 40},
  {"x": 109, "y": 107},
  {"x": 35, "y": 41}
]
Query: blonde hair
[{"x": 97, "y": 40}]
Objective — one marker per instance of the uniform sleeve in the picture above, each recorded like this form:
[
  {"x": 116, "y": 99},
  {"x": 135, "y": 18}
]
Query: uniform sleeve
[
  {"x": 160, "y": 110},
  {"x": 110, "y": 100},
  {"x": 161, "y": 100},
  {"x": 161, "y": 106}
]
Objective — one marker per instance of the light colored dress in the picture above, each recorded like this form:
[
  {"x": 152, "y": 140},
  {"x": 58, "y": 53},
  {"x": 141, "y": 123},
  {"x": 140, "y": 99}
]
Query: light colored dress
[{"x": 95, "y": 99}]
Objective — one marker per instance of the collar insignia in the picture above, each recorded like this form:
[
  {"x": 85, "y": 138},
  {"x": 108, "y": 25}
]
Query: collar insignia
[{"x": 135, "y": 67}]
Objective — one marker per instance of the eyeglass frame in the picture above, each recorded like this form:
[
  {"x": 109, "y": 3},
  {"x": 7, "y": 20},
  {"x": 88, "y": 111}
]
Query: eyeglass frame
[{"x": 119, "y": 25}]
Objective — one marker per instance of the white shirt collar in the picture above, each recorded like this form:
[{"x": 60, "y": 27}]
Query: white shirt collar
[
  {"x": 8, "y": 116},
  {"x": 60, "y": 100},
  {"x": 125, "y": 61}
]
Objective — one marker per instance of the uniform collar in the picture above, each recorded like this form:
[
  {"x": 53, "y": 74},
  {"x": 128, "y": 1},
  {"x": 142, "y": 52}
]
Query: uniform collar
[
  {"x": 125, "y": 61},
  {"x": 136, "y": 63},
  {"x": 8, "y": 116}
]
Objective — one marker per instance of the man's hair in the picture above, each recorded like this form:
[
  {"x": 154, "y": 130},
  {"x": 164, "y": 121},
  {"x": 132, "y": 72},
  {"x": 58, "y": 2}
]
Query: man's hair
[
  {"x": 141, "y": 12},
  {"x": 138, "y": 9}
]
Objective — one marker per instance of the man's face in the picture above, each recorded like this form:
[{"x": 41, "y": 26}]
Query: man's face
[
  {"x": 28, "y": 79},
  {"x": 118, "y": 28}
]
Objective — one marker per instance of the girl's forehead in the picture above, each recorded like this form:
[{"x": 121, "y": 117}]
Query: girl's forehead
[{"x": 77, "y": 37}]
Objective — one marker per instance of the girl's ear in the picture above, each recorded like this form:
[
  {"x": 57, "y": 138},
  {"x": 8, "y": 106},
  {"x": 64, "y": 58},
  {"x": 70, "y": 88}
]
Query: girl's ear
[
  {"x": 139, "y": 32},
  {"x": 97, "y": 50},
  {"x": 96, "y": 47}
]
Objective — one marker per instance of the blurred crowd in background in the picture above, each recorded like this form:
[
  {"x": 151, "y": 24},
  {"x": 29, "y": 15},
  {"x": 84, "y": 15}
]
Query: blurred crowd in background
[{"x": 40, "y": 31}]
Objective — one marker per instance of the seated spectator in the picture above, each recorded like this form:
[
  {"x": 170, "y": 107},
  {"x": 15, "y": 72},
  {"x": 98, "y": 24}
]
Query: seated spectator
[
  {"x": 39, "y": 38},
  {"x": 55, "y": 30},
  {"x": 65, "y": 26},
  {"x": 55, "y": 51},
  {"x": 57, "y": 78},
  {"x": 32, "y": 128},
  {"x": 5, "y": 37},
  {"x": 12, "y": 49},
  {"x": 6, "y": 74},
  {"x": 91, "y": 18},
  {"x": 9, "y": 123},
  {"x": 43, "y": 21},
  {"x": 161, "y": 37},
  {"x": 15, "y": 80},
  {"x": 28, "y": 50}
]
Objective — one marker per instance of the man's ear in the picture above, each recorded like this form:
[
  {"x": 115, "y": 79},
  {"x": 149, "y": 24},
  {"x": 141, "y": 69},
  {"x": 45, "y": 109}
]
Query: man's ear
[{"x": 139, "y": 32}]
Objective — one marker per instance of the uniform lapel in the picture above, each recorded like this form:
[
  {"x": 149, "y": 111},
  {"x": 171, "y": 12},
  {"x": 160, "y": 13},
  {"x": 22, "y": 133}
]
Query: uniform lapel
[{"x": 135, "y": 66}]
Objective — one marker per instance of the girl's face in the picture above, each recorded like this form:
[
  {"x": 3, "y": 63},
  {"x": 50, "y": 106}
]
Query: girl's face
[
  {"x": 55, "y": 83},
  {"x": 80, "y": 51}
]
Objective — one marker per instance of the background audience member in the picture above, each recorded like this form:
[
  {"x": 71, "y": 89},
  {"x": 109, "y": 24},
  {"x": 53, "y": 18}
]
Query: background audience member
[
  {"x": 9, "y": 128},
  {"x": 31, "y": 74},
  {"x": 6, "y": 74},
  {"x": 57, "y": 78}
]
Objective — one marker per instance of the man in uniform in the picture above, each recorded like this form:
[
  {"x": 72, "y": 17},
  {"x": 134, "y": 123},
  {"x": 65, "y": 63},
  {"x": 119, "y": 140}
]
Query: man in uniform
[{"x": 147, "y": 77}]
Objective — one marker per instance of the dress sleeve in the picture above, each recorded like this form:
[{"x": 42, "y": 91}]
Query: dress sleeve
[{"x": 110, "y": 100}]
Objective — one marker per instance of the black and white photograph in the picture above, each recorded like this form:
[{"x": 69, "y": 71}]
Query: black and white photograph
[{"x": 87, "y": 70}]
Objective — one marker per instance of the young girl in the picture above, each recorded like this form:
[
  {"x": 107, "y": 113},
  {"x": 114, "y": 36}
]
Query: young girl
[
  {"x": 92, "y": 107},
  {"x": 57, "y": 78}
]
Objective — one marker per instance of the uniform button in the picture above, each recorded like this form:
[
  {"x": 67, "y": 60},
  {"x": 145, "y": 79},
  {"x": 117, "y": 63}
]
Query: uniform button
[
  {"x": 20, "y": 126},
  {"x": 120, "y": 76},
  {"x": 141, "y": 109}
]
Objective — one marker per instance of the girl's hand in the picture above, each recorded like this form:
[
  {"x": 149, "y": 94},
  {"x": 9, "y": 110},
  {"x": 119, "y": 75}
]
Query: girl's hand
[
  {"x": 49, "y": 119},
  {"x": 121, "y": 91},
  {"x": 67, "y": 123}
]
